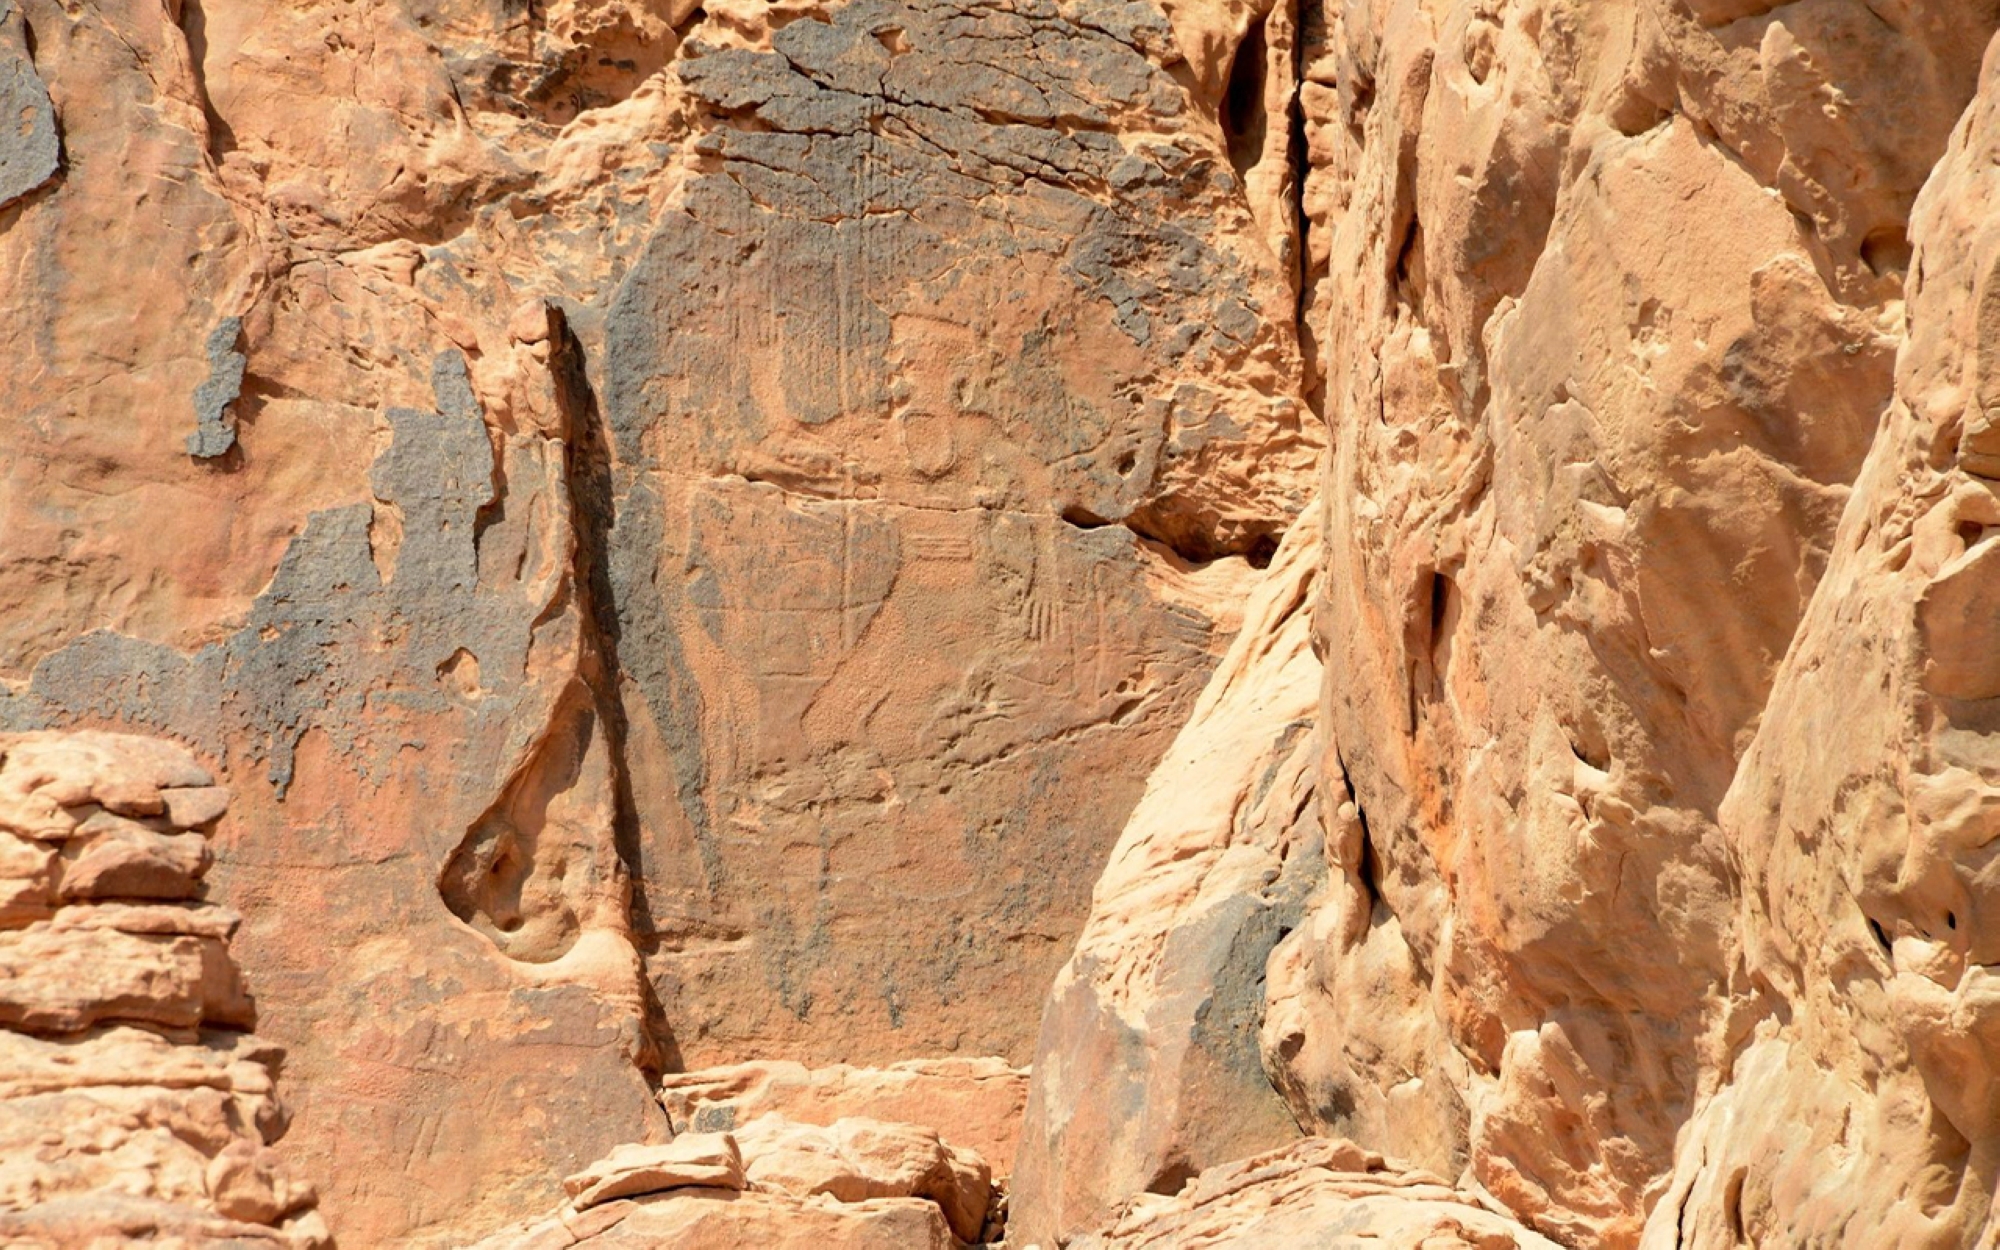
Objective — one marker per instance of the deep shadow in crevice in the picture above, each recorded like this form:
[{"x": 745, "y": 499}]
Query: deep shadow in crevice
[
  {"x": 1172, "y": 1178},
  {"x": 593, "y": 510},
  {"x": 1370, "y": 870},
  {"x": 1243, "y": 115},
  {"x": 194, "y": 27},
  {"x": 1082, "y": 518}
]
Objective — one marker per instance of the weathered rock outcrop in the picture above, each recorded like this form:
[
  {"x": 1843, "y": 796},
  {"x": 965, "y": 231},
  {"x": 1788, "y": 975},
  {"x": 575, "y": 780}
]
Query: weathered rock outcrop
[
  {"x": 695, "y": 533},
  {"x": 1309, "y": 1192},
  {"x": 1148, "y": 1067},
  {"x": 135, "y": 1105},
  {"x": 1607, "y": 299},
  {"x": 1612, "y": 295},
  {"x": 1858, "y": 1089},
  {"x": 774, "y": 1182}
]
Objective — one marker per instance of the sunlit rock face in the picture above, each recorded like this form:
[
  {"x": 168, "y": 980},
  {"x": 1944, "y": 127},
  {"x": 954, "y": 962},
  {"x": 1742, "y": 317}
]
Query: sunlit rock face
[
  {"x": 1631, "y": 279},
  {"x": 1606, "y": 303},
  {"x": 1123, "y": 621}
]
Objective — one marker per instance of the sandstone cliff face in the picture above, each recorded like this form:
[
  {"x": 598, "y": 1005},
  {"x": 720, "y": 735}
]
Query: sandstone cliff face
[
  {"x": 686, "y": 528},
  {"x": 1859, "y": 1092},
  {"x": 695, "y": 534},
  {"x": 1631, "y": 276},
  {"x": 1608, "y": 299}
]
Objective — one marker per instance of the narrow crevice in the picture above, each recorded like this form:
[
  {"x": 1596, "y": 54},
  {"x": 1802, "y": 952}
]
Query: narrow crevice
[
  {"x": 1243, "y": 115},
  {"x": 1442, "y": 592},
  {"x": 1305, "y": 274},
  {"x": 1407, "y": 274},
  {"x": 1681, "y": 1210},
  {"x": 1732, "y": 1206},
  {"x": 194, "y": 29},
  {"x": 1881, "y": 938},
  {"x": 593, "y": 504},
  {"x": 1369, "y": 871}
]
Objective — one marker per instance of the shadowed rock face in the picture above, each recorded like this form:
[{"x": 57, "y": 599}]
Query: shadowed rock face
[{"x": 695, "y": 534}]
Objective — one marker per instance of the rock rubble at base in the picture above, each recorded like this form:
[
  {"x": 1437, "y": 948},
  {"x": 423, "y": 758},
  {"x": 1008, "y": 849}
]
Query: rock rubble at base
[
  {"x": 976, "y": 1101},
  {"x": 775, "y": 1182},
  {"x": 1313, "y": 1192}
]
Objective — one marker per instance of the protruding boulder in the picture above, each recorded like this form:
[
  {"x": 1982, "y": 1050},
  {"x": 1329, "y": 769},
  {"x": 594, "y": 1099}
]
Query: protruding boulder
[
  {"x": 692, "y": 1160},
  {"x": 774, "y": 1183},
  {"x": 856, "y": 1159}
]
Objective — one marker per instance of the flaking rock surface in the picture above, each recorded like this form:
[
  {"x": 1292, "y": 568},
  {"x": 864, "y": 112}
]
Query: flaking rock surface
[{"x": 135, "y": 1104}]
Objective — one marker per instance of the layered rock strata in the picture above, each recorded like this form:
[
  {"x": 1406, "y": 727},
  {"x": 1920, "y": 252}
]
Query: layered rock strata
[
  {"x": 135, "y": 1104},
  {"x": 977, "y": 1101}
]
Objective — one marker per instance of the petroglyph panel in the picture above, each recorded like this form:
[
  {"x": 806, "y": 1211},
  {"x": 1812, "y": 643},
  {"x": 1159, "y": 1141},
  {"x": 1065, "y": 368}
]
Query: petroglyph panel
[
  {"x": 938, "y": 276},
  {"x": 895, "y": 709}
]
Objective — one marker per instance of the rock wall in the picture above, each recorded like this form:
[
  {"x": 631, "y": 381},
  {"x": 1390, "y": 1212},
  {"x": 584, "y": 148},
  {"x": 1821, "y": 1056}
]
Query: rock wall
[
  {"x": 686, "y": 528},
  {"x": 695, "y": 534},
  {"x": 1630, "y": 279},
  {"x": 1611, "y": 300},
  {"x": 1859, "y": 1086}
]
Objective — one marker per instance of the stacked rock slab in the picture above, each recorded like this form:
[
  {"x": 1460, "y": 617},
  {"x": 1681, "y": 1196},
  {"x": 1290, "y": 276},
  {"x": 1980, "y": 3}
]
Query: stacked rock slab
[
  {"x": 978, "y": 1102},
  {"x": 135, "y": 1105},
  {"x": 856, "y": 1183}
]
